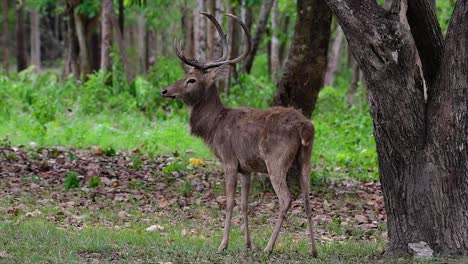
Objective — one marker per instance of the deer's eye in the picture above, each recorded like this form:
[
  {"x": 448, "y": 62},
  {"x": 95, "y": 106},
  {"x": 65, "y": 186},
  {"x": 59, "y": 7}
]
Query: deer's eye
[{"x": 191, "y": 81}]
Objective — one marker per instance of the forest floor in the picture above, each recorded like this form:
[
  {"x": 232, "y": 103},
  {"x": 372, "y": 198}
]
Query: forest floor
[{"x": 61, "y": 205}]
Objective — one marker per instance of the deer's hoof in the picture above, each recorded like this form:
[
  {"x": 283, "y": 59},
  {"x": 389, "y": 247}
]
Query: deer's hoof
[
  {"x": 267, "y": 250},
  {"x": 314, "y": 253},
  {"x": 222, "y": 247}
]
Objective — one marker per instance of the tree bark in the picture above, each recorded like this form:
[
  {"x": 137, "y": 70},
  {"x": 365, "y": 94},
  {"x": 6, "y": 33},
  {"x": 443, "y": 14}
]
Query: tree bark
[
  {"x": 275, "y": 47},
  {"x": 304, "y": 71},
  {"x": 21, "y": 57},
  {"x": 421, "y": 143},
  {"x": 355, "y": 77},
  {"x": 35, "y": 40},
  {"x": 123, "y": 53},
  {"x": 188, "y": 32},
  {"x": 142, "y": 42},
  {"x": 334, "y": 58},
  {"x": 121, "y": 18},
  {"x": 106, "y": 35},
  {"x": 72, "y": 60},
  {"x": 199, "y": 24},
  {"x": 5, "y": 37},
  {"x": 211, "y": 31},
  {"x": 85, "y": 65},
  {"x": 261, "y": 27}
]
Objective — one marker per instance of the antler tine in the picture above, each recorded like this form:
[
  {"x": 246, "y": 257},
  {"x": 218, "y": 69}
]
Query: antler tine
[
  {"x": 241, "y": 57},
  {"x": 191, "y": 62},
  {"x": 247, "y": 34},
  {"x": 222, "y": 36},
  {"x": 223, "y": 59}
]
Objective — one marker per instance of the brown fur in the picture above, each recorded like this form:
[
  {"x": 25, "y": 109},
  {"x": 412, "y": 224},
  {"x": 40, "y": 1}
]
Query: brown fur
[{"x": 247, "y": 140}]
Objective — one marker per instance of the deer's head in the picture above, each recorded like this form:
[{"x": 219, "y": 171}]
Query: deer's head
[{"x": 197, "y": 83}]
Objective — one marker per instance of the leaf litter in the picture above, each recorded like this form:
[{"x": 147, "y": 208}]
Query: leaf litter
[{"x": 190, "y": 189}]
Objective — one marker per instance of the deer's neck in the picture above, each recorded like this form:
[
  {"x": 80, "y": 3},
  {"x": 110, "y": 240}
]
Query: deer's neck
[{"x": 206, "y": 115}]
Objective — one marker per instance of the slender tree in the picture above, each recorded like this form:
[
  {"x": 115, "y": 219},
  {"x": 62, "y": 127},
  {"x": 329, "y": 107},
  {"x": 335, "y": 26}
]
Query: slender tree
[
  {"x": 5, "y": 37},
  {"x": 261, "y": 28},
  {"x": 106, "y": 34},
  {"x": 199, "y": 32},
  {"x": 35, "y": 39},
  {"x": 21, "y": 57},
  {"x": 334, "y": 57},
  {"x": 417, "y": 86},
  {"x": 275, "y": 45}
]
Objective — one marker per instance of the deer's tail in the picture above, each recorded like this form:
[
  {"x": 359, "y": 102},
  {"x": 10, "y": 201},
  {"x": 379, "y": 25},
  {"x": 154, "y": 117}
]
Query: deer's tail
[{"x": 306, "y": 132}]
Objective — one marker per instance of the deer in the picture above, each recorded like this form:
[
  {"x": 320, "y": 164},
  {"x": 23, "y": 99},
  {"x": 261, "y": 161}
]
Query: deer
[{"x": 246, "y": 140}]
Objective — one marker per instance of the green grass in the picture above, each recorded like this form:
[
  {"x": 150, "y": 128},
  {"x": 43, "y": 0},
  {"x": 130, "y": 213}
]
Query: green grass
[{"x": 37, "y": 240}]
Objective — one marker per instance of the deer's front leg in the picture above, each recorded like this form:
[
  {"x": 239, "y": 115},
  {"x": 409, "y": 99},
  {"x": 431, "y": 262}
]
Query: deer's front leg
[
  {"x": 245, "y": 189},
  {"x": 230, "y": 190}
]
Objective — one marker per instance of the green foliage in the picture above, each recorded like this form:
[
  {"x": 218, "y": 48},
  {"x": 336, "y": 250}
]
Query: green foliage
[
  {"x": 185, "y": 187},
  {"x": 177, "y": 165},
  {"x": 71, "y": 181},
  {"x": 109, "y": 151},
  {"x": 94, "y": 182},
  {"x": 135, "y": 161},
  {"x": 444, "y": 10}
]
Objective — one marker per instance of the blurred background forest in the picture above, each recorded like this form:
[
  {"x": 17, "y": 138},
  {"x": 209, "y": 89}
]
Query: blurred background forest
[{"x": 88, "y": 73}]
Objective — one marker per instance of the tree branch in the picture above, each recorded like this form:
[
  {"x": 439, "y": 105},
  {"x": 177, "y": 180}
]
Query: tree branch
[{"x": 428, "y": 37}]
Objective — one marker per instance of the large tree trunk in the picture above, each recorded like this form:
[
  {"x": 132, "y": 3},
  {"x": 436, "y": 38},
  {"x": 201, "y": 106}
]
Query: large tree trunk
[
  {"x": 303, "y": 74},
  {"x": 261, "y": 27},
  {"x": 5, "y": 37},
  {"x": 275, "y": 45},
  {"x": 334, "y": 58},
  {"x": 106, "y": 34},
  {"x": 35, "y": 40},
  {"x": 420, "y": 116},
  {"x": 21, "y": 57}
]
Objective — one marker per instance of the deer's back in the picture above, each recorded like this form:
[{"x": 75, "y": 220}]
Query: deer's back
[{"x": 250, "y": 135}]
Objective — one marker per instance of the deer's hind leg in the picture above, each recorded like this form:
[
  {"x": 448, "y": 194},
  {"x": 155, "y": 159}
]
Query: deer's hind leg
[
  {"x": 278, "y": 163},
  {"x": 305, "y": 186}
]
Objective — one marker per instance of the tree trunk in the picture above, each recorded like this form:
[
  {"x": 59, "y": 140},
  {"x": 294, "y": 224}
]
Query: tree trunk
[
  {"x": 334, "y": 58},
  {"x": 142, "y": 42},
  {"x": 121, "y": 17},
  {"x": 199, "y": 23},
  {"x": 85, "y": 65},
  {"x": 284, "y": 43},
  {"x": 21, "y": 58},
  {"x": 72, "y": 60},
  {"x": 275, "y": 47},
  {"x": 261, "y": 27},
  {"x": 5, "y": 37},
  {"x": 188, "y": 31},
  {"x": 420, "y": 116},
  {"x": 35, "y": 40},
  {"x": 210, "y": 31},
  {"x": 303, "y": 74},
  {"x": 123, "y": 53},
  {"x": 106, "y": 35},
  {"x": 355, "y": 77}
]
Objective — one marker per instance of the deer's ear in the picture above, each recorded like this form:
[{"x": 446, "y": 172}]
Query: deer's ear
[{"x": 221, "y": 72}]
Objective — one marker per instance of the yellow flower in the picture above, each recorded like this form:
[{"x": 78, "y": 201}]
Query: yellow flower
[{"x": 196, "y": 162}]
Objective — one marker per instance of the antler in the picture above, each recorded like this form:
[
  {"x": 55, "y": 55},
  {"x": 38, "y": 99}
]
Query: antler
[{"x": 223, "y": 60}]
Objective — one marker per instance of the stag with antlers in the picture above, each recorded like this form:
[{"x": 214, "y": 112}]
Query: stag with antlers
[{"x": 246, "y": 140}]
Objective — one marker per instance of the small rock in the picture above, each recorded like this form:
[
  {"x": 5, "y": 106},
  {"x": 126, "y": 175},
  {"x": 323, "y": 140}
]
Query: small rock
[
  {"x": 421, "y": 249},
  {"x": 122, "y": 215},
  {"x": 33, "y": 213},
  {"x": 155, "y": 228},
  {"x": 361, "y": 219}
]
